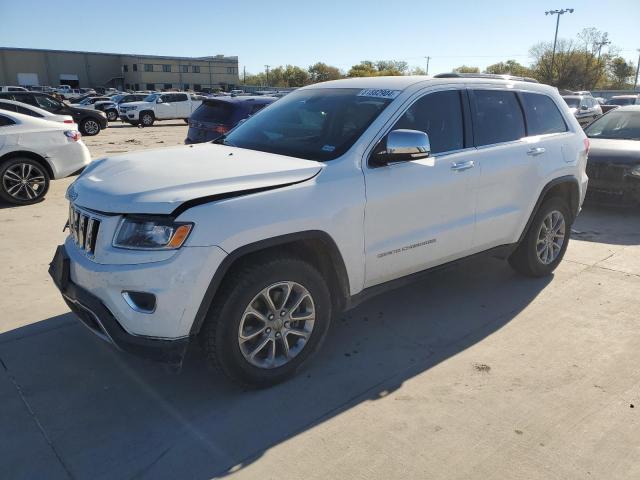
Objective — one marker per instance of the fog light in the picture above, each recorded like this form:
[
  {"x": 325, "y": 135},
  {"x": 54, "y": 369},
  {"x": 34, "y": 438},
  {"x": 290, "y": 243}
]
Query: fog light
[{"x": 140, "y": 301}]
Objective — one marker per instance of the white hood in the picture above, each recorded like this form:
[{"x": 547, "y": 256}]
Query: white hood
[{"x": 159, "y": 181}]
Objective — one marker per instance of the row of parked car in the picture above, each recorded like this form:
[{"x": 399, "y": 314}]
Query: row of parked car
[{"x": 587, "y": 108}]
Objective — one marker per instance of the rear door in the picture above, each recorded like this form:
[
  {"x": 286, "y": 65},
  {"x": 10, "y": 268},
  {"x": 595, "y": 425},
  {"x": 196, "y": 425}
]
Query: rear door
[
  {"x": 183, "y": 105},
  {"x": 508, "y": 164}
]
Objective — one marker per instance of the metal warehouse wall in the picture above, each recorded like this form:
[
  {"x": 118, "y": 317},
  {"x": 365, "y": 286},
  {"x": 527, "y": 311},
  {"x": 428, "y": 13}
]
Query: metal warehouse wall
[{"x": 103, "y": 69}]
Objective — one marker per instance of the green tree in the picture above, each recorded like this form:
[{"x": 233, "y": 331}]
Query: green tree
[
  {"x": 510, "y": 67},
  {"x": 620, "y": 73},
  {"x": 365, "y": 68},
  {"x": 321, "y": 72},
  {"x": 466, "y": 69}
]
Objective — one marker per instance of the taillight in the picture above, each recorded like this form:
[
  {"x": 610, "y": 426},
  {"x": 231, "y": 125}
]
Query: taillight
[
  {"x": 220, "y": 129},
  {"x": 586, "y": 146},
  {"x": 68, "y": 121},
  {"x": 72, "y": 135}
]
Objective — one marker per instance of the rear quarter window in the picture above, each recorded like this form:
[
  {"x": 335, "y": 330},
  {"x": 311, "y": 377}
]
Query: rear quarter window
[
  {"x": 497, "y": 117},
  {"x": 543, "y": 116}
]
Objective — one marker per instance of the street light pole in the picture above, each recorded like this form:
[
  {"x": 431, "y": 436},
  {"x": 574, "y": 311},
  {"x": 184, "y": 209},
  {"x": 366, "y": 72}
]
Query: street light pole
[
  {"x": 428, "y": 58},
  {"x": 555, "y": 38},
  {"x": 267, "y": 68},
  {"x": 635, "y": 84}
]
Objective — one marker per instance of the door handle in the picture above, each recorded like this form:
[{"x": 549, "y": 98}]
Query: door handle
[
  {"x": 461, "y": 166},
  {"x": 535, "y": 151}
]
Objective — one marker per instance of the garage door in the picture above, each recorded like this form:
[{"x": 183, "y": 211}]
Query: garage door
[{"x": 28, "y": 79}]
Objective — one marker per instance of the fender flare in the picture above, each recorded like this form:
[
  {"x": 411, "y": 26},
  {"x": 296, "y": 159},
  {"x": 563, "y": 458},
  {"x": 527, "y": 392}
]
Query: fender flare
[
  {"x": 337, "y": 262},
  {"x": 568, "y": 179}
]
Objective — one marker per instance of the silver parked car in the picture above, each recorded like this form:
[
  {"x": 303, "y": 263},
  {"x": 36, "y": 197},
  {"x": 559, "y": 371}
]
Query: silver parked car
[{"x": 584, "y": 107}]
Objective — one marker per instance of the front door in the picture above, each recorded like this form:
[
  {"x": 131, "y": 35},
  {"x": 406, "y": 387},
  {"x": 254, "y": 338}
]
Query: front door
[
  {"x": 167, "y": 108},
  {"x": 420, "y": 213}
]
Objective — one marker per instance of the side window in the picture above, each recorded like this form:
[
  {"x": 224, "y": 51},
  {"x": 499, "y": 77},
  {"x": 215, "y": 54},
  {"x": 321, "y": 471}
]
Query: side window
[
  {"x": 26, "y": 111},
  {"x": 180, "y": 97},
  {"x": 497, "y": 117},
  {"x": 47, "y": 103},
  {"x": 8, "y": 107},
  {"x": 439, "y": 115},
  {"x": 542, "y": 115},
  {"x": 4, "y": 121},
  {"x": 167, "y": 98}
]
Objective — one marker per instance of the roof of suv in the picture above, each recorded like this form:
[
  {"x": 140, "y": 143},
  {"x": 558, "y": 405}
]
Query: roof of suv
[{"x": 402, "y": 82}]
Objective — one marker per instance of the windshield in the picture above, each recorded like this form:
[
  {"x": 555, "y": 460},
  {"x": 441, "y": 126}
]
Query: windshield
[
  {"x": 117, "y": 98},
  {"x": 616, "y": 124},
  {"x": 151, "y": 98},
  {"x": 621, "y": 101},
  {"x": 573, "y": 102},
  {"x": 315, "y": 124}
]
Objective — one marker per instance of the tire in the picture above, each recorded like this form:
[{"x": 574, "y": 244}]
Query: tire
[
  {"x": 89, "y": 127},
  {"x": 244, "y": 288},
  {"x": 147, "y": 118},
  {"x": 12, "y": 187},
  {"x": 538, "y": 254},
  {"x": 112, "y": 115}
]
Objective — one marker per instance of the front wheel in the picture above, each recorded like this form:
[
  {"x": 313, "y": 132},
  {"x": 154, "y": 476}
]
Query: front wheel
[
  {"x": 147, "y": 119},
  {"x": 267, "y": 321},
  {"x": 112, "y": 115},
  {"x": 546, "y": 241},
  {"x": 24, "y": 181}
]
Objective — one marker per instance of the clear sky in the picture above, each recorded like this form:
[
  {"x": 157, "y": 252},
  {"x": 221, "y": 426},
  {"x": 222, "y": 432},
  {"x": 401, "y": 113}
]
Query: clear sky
[{"x": 340, "y": 33}]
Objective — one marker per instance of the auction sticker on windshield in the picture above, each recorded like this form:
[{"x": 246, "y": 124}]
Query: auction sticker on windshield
[{"x": 379, "y": 93}]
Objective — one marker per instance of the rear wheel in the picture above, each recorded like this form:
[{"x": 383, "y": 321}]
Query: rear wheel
[
  {"x": 89, "y": 127},
  {"x": 112, "y": 115},
  {"x": 546, "y": 241},
  {"x": 24, "y": 181},
  {"x": 267, "y": 321}
]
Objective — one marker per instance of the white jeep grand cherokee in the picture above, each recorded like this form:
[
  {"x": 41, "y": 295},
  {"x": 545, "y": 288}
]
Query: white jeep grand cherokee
[{"x": 329, "y": 195}]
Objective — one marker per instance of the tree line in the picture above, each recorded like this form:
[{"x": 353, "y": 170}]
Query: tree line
[{"x": 579, "y": 64}]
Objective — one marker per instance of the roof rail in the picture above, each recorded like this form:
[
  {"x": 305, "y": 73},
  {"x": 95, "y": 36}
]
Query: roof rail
[{"x": 486, "y": 75}]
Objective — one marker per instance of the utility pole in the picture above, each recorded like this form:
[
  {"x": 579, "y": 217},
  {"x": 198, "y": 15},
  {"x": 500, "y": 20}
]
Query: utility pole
[
  {"x": 244, "y": 75},
  {"x": 555, "y": 38},
  {"x": 428, "y": 58},
  {"x": 267, "y": 68},
  {"x": 600, "y": 45},
  {"x": 635, "y": 84}
]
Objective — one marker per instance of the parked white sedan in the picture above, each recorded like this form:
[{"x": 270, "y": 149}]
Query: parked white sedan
[
  {"x": 12, "y": 106},
  {"x": 33, "y": 151}
]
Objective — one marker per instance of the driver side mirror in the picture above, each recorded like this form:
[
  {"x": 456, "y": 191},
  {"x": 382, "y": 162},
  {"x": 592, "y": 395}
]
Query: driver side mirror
[
  {"x": 159, "y": 100},
  {"x": 403, "y": 146}
]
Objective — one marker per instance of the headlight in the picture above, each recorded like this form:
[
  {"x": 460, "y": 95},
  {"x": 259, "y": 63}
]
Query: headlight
[
  {"x": 132, "y": 108},
  {"x": 151, "y": 233},
  {"x": 635, "y": 171}
]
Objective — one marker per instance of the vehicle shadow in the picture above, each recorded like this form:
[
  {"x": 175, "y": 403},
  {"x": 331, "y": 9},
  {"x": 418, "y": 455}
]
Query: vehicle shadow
[
  {"x": 607, "y": 224},
  {"x": 109, "y": 415}
]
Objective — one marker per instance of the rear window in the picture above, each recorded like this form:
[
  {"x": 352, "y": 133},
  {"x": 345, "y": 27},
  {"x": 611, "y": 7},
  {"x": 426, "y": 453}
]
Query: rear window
[
  {"x": 497, "y": 117},
  {"x": 542, "y": 114},
  {"x": 573, "y": 102},
  {"x": 622, "y": 101},
  {"x": 213, "y": 111}
]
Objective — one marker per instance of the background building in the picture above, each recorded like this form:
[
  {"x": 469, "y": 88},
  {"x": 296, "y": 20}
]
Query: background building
[{"x": 27, "y": 66}]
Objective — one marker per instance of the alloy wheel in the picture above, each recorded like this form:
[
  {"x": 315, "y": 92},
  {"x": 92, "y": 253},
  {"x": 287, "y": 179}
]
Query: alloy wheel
[
  {"x": 91, "y": 127},
  {"x": 551, "y": 237},
  {"x": 24, "y": 181},
  {"x": 276, "y": 325}
]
